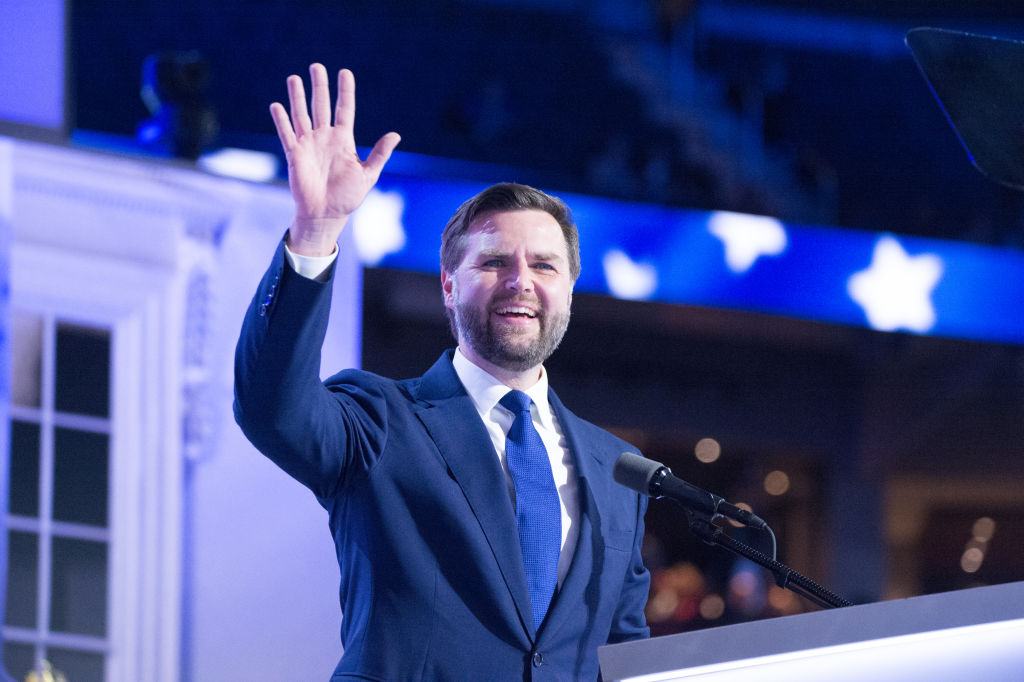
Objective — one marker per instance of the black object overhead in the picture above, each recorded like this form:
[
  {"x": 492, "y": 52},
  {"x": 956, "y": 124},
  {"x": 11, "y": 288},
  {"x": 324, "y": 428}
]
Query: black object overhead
[{"x": 979, "y": 82}]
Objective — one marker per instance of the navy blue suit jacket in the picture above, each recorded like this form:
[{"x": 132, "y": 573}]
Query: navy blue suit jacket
[{"x": 432, "y": 578}]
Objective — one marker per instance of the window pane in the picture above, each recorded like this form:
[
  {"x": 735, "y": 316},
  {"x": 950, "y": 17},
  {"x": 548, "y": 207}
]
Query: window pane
[
  {"x": 76, "y": 666},
  {"x": 26, "y": 359},
  {"x": 22, "y": 578},
  {"x": 24, "y": 495},
  {"x": 80, "y": 476},
  {"x": 79, "y": 591},
  {"x": 83, "y": 370},
  {"x": 19, "y": 659}
]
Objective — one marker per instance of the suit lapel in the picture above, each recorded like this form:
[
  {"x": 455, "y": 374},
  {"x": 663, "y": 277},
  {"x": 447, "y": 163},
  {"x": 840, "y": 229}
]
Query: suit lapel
[
  {"x": 451, "y": 420},
  {"x": 589, "y": 544}
]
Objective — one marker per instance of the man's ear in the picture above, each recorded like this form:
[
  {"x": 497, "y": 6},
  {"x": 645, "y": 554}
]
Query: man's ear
[{"x": 448, "y": 289}]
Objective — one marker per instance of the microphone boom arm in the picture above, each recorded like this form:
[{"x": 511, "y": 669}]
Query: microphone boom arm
[{"x": 785, "y": 577}]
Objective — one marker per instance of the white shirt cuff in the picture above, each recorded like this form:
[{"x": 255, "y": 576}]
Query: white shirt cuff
[{"x": 312, "y": 267}]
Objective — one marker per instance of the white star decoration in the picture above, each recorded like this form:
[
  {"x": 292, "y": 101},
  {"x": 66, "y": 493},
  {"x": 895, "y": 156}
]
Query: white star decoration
[
  {"x": 377, "y": 226},
  {"x": 747, "y": 237},
  {"x": 895, "y": 291},
  {"x": 628, "y": 279}
]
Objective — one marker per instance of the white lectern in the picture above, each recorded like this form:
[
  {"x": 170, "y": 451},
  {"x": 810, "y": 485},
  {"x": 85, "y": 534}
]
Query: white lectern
[{"x": 974, "y": 634}]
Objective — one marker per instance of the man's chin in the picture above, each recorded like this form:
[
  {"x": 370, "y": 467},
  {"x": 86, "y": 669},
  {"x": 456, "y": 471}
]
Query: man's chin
[
  {"x": 519, "y": 357},
  {"x": 517, "y": 363},
  {"x": 514, "y": 340},
  {"x": 511, "y": 353}
]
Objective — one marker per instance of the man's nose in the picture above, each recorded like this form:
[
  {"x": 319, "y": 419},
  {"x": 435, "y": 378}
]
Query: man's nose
[{"x": 519, "y": 277}]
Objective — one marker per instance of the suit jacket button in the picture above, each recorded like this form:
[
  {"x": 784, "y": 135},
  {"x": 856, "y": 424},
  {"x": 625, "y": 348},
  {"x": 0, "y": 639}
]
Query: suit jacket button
[{"x": 538, "y": 659}]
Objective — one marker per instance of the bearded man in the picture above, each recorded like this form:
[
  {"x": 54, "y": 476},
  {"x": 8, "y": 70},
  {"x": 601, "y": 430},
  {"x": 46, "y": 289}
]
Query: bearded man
[{"x": 478, "y": 530}]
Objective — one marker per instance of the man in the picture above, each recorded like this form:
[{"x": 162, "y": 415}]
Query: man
[{"x": 479, "y": 532}]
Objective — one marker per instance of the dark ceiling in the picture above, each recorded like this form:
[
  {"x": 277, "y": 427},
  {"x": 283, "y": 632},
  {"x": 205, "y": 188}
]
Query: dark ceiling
[{"x": 577, "y": 103}]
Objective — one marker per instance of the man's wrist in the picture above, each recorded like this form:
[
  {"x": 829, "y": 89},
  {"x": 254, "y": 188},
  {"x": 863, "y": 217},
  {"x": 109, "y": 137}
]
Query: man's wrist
[{"x": 314, "y": 237}]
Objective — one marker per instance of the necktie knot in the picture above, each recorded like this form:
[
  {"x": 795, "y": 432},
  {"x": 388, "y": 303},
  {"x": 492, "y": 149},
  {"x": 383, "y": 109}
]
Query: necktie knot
[{"x": 516, "y": 402}]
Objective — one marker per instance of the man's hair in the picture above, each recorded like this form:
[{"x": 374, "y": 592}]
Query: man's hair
[{"x": 508, "y": 196}]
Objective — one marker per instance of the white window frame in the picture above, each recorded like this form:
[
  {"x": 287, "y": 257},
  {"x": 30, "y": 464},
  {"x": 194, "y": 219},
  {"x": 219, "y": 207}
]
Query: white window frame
[
  {"x": 108, "y": 241},
  {"x": 134, "y": 246},
  {"x": 44, "y": 526},
  {"x": 144, "y": 570}
]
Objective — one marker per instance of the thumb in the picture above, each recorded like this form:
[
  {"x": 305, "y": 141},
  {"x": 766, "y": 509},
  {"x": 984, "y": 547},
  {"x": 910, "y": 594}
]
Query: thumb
[{"x": 381, "y": 153}]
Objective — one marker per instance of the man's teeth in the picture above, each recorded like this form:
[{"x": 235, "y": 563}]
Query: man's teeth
[{"x": 516, "y": 310}]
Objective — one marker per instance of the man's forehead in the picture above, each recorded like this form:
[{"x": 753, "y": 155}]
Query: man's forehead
[{"x": 534, "y": 224}]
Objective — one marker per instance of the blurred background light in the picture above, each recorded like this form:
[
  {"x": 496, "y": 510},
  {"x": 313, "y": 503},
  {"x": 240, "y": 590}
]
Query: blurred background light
[
  {"x": 244, "y": 164},
  {"x": 984, "y": 528},
  {"x": 707, "y": 450},
  {"x": 776, "y": 483},
  {"x": 971, "y": 560},
  {"x": 712, "y": 607}
]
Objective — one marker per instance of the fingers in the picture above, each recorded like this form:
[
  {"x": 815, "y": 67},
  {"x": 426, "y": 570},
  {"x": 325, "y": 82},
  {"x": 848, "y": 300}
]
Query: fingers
[
  {"x": 321, "y": 101},
  {"x": 284, "y": 127},
  {"x": 294, "y": 124},
  {"x": 297, "y": 100},
  {"x": 321, "y": 96},
  {"x": 380, "y": 154},
  {"x": 345, "y": 111}
]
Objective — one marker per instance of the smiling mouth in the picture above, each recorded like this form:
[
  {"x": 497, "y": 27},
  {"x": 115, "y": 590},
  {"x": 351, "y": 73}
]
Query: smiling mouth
[{"x": 516, "y": 311}]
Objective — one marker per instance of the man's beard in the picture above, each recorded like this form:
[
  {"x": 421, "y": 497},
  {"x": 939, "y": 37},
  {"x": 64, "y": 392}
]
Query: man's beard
[{"x": 504, "y": 348}]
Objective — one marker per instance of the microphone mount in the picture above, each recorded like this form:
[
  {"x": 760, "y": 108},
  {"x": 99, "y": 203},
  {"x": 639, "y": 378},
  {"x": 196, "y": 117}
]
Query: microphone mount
[
  {"x": 652, "y": 478},
  {"x": 785, "y": 577}
]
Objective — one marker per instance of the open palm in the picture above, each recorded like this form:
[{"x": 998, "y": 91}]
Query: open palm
[{"x": 327, "y": 178}]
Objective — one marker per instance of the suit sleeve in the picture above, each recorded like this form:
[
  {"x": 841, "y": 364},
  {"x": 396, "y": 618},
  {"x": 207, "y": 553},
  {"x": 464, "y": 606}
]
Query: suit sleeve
[
  {"x": 315, "y": 434},
  {"x": 630, "y": 622}
]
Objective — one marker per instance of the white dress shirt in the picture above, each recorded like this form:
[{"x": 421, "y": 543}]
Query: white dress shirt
[{"x": 485, "y": 392}]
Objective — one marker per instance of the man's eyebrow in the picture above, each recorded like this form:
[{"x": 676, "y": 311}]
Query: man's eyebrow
[
  {"x": 493, "y": 252},
  {"x": 546, "y": 256}
]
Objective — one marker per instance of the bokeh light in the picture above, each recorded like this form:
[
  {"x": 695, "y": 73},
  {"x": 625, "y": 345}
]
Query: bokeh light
[
  {"x": 971, "y": 560},
  {"x": 707, "y": 450},
  {"x": 984, "y": 528},
  {"x": 776, "y": 483},
  {"x": 712, "y": 607}
]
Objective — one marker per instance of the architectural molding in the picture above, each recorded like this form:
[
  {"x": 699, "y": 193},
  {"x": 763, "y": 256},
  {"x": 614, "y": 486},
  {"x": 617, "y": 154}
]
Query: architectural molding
[{"x": 135, "y": 246}]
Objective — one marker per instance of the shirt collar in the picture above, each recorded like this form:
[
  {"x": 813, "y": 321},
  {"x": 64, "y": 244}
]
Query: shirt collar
[{"x": 485, "y": 390}]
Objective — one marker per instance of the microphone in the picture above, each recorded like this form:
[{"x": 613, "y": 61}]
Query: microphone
[{"x": 648, "y": 477}]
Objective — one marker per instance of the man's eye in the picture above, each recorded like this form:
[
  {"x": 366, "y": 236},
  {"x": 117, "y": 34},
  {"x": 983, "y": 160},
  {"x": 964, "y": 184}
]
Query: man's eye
[
  {"x": 493, "y": 263},
  {"x": 544, "y": 266}
]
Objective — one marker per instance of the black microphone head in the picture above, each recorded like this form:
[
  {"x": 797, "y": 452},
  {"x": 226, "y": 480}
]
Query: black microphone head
[{"x": 635, "y": 472}]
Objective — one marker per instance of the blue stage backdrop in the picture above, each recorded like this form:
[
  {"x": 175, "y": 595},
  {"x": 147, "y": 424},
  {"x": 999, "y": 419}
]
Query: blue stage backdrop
[{"x": 878, "y": 280}]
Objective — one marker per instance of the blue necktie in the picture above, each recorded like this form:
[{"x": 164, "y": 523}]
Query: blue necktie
[{"x": 538, "y": 512}]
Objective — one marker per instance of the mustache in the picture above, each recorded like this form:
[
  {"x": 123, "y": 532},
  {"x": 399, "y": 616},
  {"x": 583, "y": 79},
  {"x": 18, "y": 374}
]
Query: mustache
[{"x": 530, "y": 301}]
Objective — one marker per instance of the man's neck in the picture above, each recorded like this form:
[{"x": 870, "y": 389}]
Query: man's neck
[{"x": 520, "y": 381}]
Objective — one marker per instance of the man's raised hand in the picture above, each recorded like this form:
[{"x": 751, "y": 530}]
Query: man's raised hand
[{"x": 327, "y": 178}]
